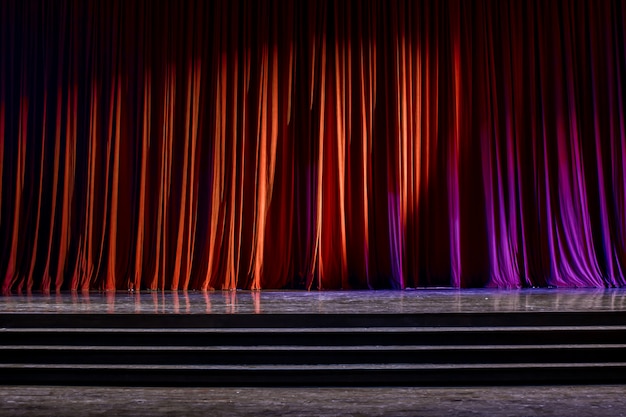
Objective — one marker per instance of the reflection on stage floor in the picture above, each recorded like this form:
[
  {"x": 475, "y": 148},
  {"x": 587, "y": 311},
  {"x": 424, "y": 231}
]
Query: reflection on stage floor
[{"x": 324, "y": 302}]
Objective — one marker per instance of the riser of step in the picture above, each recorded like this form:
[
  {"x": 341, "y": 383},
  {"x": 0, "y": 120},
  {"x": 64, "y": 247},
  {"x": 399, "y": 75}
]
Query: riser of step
[
  {"x": 348, "y": 337},
  {"x": 306, "y": 356},
  {"x": 148, "y": 321},
  {"x": 316, "y": 376}
]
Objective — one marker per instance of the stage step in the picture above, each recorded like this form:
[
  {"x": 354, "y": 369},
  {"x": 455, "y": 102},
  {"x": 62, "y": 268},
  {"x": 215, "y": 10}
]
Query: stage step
[{"x": 313, "y": 349}]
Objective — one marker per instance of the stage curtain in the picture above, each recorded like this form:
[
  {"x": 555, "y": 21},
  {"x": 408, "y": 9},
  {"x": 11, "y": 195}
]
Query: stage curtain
[{"x": 311, "y": 144}]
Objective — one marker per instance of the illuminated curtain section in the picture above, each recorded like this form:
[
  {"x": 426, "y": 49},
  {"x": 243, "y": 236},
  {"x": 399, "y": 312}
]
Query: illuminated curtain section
[{"x": 311, "y": 145}]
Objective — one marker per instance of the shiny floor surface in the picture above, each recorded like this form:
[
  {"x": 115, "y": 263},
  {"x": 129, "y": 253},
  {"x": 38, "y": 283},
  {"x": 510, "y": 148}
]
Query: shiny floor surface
[
  {"x": 300, "y": 302},
  {"x": 580, "y": 401}
]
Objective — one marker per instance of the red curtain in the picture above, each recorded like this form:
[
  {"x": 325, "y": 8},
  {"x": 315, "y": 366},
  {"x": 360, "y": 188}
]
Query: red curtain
[{"x": 314, "y": 144}]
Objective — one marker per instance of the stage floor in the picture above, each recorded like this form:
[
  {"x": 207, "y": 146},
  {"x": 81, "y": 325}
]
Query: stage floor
[
  {"x": 324, "y": 302},
  {"x": 520, "y": 401}
]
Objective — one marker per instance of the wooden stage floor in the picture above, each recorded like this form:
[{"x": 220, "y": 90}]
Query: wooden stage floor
[
  {"x": 63, "y": 352},
  {"x": 320, "y": 302}
]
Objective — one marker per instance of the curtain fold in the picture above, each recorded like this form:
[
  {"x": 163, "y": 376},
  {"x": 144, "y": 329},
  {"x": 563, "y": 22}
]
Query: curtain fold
[{"x": 311, "y": 145}]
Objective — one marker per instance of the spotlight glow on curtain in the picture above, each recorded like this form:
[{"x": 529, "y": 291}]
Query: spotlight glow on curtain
[{"x": 314, "y": 144}]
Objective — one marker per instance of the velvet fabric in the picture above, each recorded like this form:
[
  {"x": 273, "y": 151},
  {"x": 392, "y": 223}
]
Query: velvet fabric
[{"x": 311, "y": 144}]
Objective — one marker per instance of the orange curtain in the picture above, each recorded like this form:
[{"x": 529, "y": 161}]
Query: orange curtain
[{"x": 311, "y": 144}]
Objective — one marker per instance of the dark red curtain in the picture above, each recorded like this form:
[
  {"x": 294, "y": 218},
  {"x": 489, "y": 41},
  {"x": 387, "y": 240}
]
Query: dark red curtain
[{"x": 311, "y": 144}]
